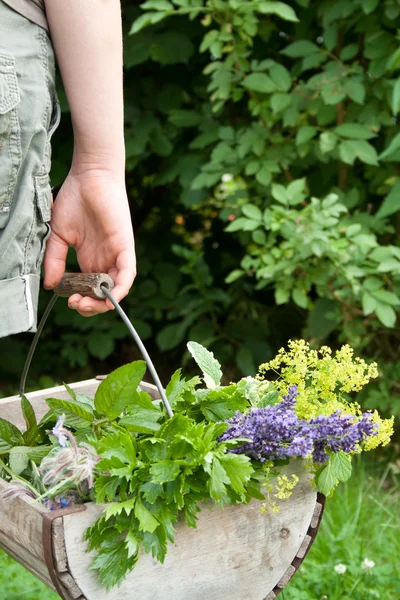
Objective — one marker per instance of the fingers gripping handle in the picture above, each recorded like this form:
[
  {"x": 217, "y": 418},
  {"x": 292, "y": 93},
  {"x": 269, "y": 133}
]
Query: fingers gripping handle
[{"x": 85, "y": 284}]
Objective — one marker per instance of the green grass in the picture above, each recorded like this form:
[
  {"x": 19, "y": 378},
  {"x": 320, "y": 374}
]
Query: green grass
[{"x": 360, "y": 521}]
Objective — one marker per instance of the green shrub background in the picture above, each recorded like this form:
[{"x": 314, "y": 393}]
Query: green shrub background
[{"x": 263, "y": 173}]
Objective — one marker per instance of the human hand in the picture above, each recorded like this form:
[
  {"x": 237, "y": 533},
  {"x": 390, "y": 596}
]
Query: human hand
[{"x": 91, "y": 214}]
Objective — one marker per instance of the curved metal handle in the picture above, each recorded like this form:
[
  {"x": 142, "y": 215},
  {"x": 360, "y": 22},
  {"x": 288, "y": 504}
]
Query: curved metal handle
[{"x": 96, "y": 285}]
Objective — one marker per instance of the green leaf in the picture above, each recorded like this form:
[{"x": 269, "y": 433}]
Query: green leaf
[
  {"x": 234, "y": 275},
  {"x": 264, "y": 176},
  {"x": 347, "y": 153},
  {"x": 259, "y": 82},
  {"x": 356, "y": 91},
  {"x": 184, "y": 118},
  {"x": 368, "y": 303},
  {"x": 300, "y": 48},
  {"x": 282, "y": 296},
  {"x": 157, "y": 5},
  {"x": 341, "y": 465},
  {"x": 391, "y": 204},
  {"x": 393, "y": 146},
  {"x": 327, "y": 479},
  {"x": 386, "y": 297},
  {"x": 147, "y": 522},
  {"x": 10, "y": 435},
  {"x": 386, "y": 315},
  {"x": 218, "y": 480},
  {"x": 278, "y": 8},
  {"x": 327, "y": 141},
  {"x": 171, "y": 336},
  {"x": 239, "y": 470},
  {"x": 396, "y": 97},
  {"x": 252, "y": 212},
  {"x": 279, "y": 193},
  {"x": 281, "y": 77},
  {"x": 142, "y": 421},
  {"x": 28, "y": 413},
  {"x": 146, "y": 20},
  {"x": 300, "y": 298},
  {"x": 305, "y": 134},
  {"x": 117, "y": 508},
  {"x": 364, "y": 151},
  {"x": 354, "y": 131},
  {"x": 164, "y": 470},
  {"x": 112, "y": 562},
  {"x": 72, "y": 407},
  {"x": 208, "y": 364},
  {"x": 19, "y": 459},
  {"x": 115, "y": 392}
]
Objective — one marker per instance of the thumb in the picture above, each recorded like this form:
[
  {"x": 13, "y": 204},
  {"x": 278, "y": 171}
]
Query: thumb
[{"x": 54, "y": 261}]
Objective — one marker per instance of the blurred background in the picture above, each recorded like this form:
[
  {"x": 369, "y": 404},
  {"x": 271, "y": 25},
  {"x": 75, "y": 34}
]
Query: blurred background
[{"x": 263, "y": 152}]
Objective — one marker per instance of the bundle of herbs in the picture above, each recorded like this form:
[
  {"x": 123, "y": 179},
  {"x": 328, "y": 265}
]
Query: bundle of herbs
[{"x": 224, "y": 444}]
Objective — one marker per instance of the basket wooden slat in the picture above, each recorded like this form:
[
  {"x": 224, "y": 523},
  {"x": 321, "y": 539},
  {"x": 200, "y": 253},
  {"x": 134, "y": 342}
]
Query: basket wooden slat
[{"x": 238, "y": 553}]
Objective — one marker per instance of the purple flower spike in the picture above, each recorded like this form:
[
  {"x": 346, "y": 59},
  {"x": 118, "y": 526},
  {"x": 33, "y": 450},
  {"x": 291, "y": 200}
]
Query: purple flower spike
[{"x": 277, "y": 433}]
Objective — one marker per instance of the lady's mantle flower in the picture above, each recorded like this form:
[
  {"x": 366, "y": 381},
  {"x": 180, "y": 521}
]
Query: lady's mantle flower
[
  {"x": 367, "y": 564},
  {"x": 340, "y": 568}
]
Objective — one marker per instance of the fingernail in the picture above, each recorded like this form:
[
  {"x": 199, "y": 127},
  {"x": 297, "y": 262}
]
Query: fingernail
[{"x": 73, "y": 305}]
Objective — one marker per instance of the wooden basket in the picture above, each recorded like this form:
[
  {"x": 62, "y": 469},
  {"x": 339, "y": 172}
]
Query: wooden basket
[{"x": 237, "y": 553}]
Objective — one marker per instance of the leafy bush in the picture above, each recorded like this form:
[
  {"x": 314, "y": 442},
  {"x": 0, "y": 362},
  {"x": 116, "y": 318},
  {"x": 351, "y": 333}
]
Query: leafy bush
[{"x": 261, "y": 165}]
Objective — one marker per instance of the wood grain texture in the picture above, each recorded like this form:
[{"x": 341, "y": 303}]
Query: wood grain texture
[
  {"x": 10, "y": 408},
  {"x": 237, "y": 553},
  {"x": 86, "y": 284}
]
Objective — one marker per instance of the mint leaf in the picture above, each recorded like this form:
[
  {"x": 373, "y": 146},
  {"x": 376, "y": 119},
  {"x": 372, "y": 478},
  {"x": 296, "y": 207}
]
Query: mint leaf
[
  {"x": 143, "y": 421},
  {"x": 115, "y": 392},
  {"x": 147, "y": 522},
  {"x": 207, "y": 363},
  {"x": 341, "y": 464}
]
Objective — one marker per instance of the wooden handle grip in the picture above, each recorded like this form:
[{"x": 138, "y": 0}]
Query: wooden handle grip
[{"x": 86, "y": 284}]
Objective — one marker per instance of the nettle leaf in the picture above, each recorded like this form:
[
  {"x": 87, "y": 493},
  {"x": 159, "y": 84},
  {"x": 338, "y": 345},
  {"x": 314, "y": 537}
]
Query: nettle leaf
[
  {"x": 115, "y": 392},
  {"x": 208, "y": 364},
  {"x": 341, "y": 464}
]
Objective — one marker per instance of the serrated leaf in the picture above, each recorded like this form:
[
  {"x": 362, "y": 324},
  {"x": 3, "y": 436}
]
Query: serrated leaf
[
  {"x": 70, "y": 406},
  {"x": 218, "y": 480},
  {"x": 10, "y": 435},
  {"x": 341, "y": 465},
  {"x": 147, "y": 522},
  {"x": 117, "y": 508},
  {"x": 238, "y": 469},
  {"x": 281, "y": 77},
  {"x": 327, "y": 480},
  {"x": 208, "y": 364},
  {"x": 142, "y": 420},
  {"x": 115, "y": 392},
  {"x": 164, "y": 470}
]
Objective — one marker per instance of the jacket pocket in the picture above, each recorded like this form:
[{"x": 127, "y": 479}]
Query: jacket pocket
[{"x": 10, "y": 135}]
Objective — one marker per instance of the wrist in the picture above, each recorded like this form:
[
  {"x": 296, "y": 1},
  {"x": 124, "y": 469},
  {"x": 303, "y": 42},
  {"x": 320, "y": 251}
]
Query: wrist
[{"x": 99, "y": 163}]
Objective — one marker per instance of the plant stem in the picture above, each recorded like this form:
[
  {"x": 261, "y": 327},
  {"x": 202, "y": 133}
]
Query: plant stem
[{"x": 17, "y": 478}]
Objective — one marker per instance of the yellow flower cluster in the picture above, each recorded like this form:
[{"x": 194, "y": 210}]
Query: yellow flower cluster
[
  {"x": 385, "y": 432},
  {"x": 320, "y": 376},
  {"x": 281, "y": 488},
  {"x": 284, "y": 486}
]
